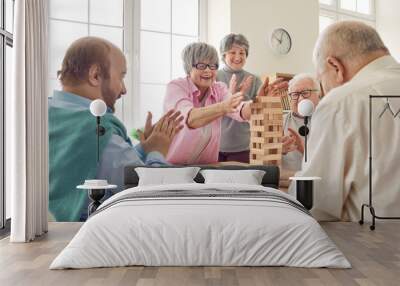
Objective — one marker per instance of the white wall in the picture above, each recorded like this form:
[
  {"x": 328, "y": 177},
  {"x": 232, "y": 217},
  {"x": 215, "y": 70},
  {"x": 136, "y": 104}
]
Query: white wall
[
  {"x": 256, "y": 19},
  {"x": 219, "y": 21},
  {"x": 388, "y": 24}
]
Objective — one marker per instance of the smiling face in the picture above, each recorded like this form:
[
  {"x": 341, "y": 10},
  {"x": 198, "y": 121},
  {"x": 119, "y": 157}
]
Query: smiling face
[
  {"x": 235, "y": 58},
  {"x": 203, "y": 79},
  {"x": 306, "y": 86}
]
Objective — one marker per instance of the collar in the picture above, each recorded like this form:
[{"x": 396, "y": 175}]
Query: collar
[
  {"x": 227, "y": 69},
  {"x": 194, "y": 90},
  {"x": 75, "y": 99},
  {"x": 377, "y": 64}
]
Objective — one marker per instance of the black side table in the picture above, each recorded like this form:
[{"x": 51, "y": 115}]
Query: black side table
[{"x": 96, "y": 190}]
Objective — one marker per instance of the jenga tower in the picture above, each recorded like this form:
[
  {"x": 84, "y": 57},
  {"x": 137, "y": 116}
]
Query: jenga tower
[{"x": 266, "y": 131}]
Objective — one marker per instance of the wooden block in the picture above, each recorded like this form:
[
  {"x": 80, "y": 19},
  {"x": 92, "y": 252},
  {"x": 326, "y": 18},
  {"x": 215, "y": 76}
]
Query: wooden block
[
  {"x": 265, "y": 162},
  {"x": 274, "y": 111},
  {"x": 256, "y": 162},
  {"x": 266, "y": 133},
  {"x": 268, "y": 146},
  {"x": 264, "y": 152},
  {"x": 273, "y": 157},
  {"x": 256, "y": 105},
  {"x": 268, "y": 99},
  {"x": 266, "y": 128}
]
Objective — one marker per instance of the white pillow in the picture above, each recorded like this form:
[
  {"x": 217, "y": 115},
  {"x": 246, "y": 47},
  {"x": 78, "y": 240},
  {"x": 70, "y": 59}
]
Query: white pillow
[
  {"x": 166, "y": 176},
  {"x": 248, "y": 177}
]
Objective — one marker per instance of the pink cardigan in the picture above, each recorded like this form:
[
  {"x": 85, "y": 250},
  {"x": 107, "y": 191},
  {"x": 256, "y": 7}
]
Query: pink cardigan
[{"x": 195, "y": 146}]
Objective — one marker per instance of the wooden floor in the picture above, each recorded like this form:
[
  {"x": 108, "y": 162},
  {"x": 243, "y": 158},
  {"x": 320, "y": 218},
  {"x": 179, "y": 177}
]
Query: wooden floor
[{"x": 375, "y": 257}]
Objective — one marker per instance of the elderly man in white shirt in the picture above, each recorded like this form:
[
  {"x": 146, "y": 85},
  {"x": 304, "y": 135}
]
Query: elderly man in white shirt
[
  {"x": 302, "y": 86},
  {"x": 352, "y": 63}
]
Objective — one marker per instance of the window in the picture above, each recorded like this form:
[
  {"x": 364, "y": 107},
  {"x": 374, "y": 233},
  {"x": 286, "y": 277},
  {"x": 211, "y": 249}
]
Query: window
[
  {"x": 162, "y": 35},
  {"x": 152, "y": 34},
  {"x": 338, "y": 10},
  {"x": 6, "y": 44},
  {"x": 72, "y": 19}
]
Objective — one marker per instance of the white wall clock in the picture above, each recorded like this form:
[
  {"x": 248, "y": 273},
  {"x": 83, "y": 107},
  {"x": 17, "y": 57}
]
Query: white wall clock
[{"x": 280, "y": 41}]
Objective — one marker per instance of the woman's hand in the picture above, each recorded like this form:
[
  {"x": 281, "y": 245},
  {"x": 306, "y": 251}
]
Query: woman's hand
[
  {"x": 233, "y": 84},
  {"x": 273, "y": 89},
  {"x": 230, "y": 104},
  {"x": 244, "y": 87}
]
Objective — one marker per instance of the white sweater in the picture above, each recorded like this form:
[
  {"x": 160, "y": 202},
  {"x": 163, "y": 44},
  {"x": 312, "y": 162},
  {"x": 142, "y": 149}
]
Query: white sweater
[{"x": 339, "y": 145}]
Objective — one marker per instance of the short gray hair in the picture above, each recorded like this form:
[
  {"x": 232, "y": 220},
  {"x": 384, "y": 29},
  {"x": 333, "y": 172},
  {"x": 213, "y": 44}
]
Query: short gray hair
[
  {"x": 233, "y": 39},
  {"x": 304, "y": 76},
  {"x": 198, "y": 52},
  {"x": 347, "y": 40}
]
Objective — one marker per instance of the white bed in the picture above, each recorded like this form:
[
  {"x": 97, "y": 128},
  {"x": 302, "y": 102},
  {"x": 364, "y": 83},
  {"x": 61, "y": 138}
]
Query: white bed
[{"x": 250, "y": 225}]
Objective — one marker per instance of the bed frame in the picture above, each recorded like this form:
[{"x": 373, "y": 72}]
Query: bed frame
[{"x": 270, "y": 179}]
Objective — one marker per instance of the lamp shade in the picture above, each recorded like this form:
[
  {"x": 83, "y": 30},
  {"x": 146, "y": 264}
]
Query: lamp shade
[
  {"x": 305, "y": 107},
  {"x": 98, "y": 107}
]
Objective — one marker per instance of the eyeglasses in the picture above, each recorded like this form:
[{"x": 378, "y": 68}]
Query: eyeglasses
[
  {"x": 201, "y": 66},
  {"x": 304, "y": 93}
]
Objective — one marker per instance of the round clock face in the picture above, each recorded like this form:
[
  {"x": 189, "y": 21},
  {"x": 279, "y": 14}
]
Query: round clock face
[{"x": 280, "y": 41}]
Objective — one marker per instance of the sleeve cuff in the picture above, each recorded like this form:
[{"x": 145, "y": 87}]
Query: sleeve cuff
[
  {"x": 140, "y": 152},
  {"x": 155, "y": 157}
]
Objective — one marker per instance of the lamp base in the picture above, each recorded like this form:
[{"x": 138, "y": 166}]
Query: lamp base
[
  {"x": 305, "y": 190},
  {"x": 304, "y": 193},
  {"x": 95, "y": 195}
]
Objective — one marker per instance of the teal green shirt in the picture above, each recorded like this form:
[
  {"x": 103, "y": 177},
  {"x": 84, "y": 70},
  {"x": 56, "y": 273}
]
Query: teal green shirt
[{"x": 73, "y": 153}]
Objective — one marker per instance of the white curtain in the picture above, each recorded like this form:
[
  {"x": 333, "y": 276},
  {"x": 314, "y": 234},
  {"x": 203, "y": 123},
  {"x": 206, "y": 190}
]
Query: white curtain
[{"x": 26, "y": 117}]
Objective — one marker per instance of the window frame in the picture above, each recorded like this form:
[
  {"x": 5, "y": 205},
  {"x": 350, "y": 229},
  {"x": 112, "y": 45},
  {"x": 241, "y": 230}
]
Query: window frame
[
  {"x": 132, "y": 52},
  {"x": 6, "y": 39},
  {"x": 120, "y": 105},
  {"x": 336, "y": 12}
]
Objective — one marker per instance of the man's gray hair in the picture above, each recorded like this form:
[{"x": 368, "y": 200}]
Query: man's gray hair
[
  {"x": 304, "y": 76},
  {"x": 233, "y": 39},
  {"x": 198, "y": 52},
  {"x": 347, "y": 41}
]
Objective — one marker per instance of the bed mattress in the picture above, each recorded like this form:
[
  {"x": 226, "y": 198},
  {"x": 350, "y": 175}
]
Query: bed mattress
[{"x": 201, "y": 225}]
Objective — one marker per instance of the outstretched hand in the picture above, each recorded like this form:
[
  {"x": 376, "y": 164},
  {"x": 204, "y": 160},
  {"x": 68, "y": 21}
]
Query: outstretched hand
[
  {"x": 273, "y": 89},
  {"x": 244, "y": 87},
  {"x": 230, "y": 104},
  {"x": 148, "y": 128},
  {"x": 158, "y": 137}
]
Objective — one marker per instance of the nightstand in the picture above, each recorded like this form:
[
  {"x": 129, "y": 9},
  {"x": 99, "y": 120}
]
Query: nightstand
[{"x": 96, "y": 190}]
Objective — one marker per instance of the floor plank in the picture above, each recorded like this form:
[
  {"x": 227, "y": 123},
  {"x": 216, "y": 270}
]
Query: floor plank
[{"x": 375, "y": 257}]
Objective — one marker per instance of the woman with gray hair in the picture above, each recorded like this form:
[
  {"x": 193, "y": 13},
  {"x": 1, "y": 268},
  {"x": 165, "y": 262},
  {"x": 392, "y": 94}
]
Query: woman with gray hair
[
  {"x": 235, "y": 138},
  {"x": 203, "y": 102}
]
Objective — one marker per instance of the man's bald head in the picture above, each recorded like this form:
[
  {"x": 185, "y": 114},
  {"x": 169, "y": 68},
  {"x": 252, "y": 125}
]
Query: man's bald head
[
  {"x": 348, "y": 41},
  {"x": 82, "y": 55},
  {"x": 342, "y": 49},
  {"x": 94, "y": 68}
]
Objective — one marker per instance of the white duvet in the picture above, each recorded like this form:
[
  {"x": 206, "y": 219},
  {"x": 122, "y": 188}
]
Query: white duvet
[{"x": 200, "y": 231}]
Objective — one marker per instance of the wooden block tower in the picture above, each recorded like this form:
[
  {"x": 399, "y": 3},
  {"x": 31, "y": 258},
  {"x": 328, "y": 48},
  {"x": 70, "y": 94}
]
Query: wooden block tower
[{"x": 266, "y": 131}]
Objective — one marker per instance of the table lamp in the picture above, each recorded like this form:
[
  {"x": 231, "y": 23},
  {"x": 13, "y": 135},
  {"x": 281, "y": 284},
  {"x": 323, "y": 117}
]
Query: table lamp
[{"x": 97, "y": 188}]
